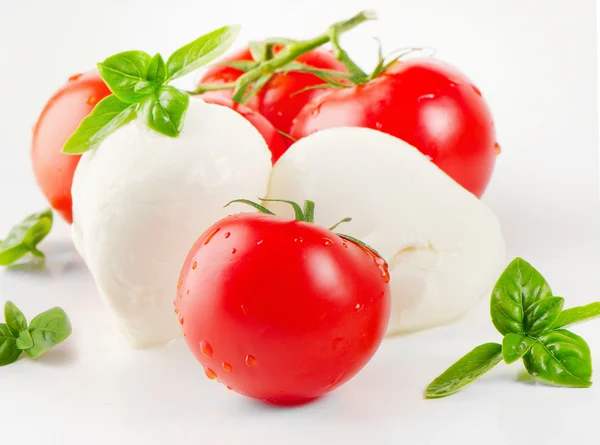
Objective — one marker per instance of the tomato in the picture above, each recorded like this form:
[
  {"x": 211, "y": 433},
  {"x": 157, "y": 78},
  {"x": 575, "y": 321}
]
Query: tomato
[
  {"x": 59, "y": 119},
  {"x": 281, "y": 310},
  {"x": 279, "y": 100},
  {"x": 425, "y": 102},
  {"x": 272, "y": 137}
]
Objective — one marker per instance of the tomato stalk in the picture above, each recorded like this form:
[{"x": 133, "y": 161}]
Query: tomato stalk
[{"x": 252, "y": 80}]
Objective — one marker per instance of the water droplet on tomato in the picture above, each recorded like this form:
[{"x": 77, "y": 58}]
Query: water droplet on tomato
[
  {"x": 338, "y": 343},
  {"x": 429, "y": 157},
  {"x": 229, "y": 388},
  {"x": 179, "y": 283},
  {"x": 298, "y": 240},
  {"x": 195, "y": 265},
  {"x": 477, "y": 91},
  {"x": 92, "y": 100},
  {"x": 497, "y": 148},
  {"x": 180, "y": 320},
  {"x": 227, "y": 235},
  {"x": 187, "y": 292},
  {"x": 176, "y": 310},
  {"x": 359, "y": 308},
  {"x": 378, "y": 125},
  {"x": 209, "y": 237},
  {"x": 383, "y": 267},
  {"x": 74, "y": 77},
  {"x": 345, "y": 245},
  {"x": 279, "y": 113},
  {"x": 327, "y": 242},
  {"x": 206, "y": 348},
  {"x": 259, "y": 242},
  {"x": 210, "y": 373},
  {"x": 227, "y": 367},
  {"x": 426, "y": 96},
  {"x": 243, "y": 309},
  {"x": 250, "y": 360},
  {"x": 234, "y": 250}
]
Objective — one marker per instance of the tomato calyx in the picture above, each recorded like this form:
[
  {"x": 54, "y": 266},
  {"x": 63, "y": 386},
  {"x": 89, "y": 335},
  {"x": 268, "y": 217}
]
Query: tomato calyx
[
  {"x": 258, "y": 72},
  {"x": 306, "y": 213}
]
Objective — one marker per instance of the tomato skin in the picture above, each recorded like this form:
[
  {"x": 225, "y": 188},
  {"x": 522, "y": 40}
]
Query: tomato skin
[
  {"x": 59, "y": 119},
  {"x": 277, "y": 100},
  {"x": 425, "y": 102},
  {"x": 281, "y": 310},
  {"x": 275, "y": 141}
]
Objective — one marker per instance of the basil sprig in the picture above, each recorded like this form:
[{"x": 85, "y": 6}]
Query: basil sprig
[
  {"x": 139, "y": 83},
  {"x": 45, "y": 331},
  {"x": 532, "y": 322},
  {"x": 24, "y": 238}
]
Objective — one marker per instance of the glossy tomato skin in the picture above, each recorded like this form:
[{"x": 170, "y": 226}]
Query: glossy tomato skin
[
  {"x": 280, "y": 100},
  {"x": 59, "y": 119},
  {"x": 272, "y": 137},
  {"x": 425, "y": 102},
  {"x": 280, "y": 310}
]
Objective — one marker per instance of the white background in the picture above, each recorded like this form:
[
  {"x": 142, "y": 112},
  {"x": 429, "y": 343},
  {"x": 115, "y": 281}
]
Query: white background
[{"x": 534, "y": 60}]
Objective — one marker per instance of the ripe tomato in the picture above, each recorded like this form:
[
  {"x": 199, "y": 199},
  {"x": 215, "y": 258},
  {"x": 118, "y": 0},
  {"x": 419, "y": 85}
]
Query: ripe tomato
[
  {"x": 60, "y": 118},
  {"x": 428, "y": 104},
  {"x": 272, "y": 137},
  {"x": 281, "y": 310},
  {"x": 277, "y": 100}
]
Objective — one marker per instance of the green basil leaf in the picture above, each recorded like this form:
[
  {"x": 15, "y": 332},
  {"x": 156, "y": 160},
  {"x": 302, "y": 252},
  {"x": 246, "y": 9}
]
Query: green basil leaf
[
  {"x": 9, "y": 353},
  {"x": 165, "y": 110},
  {"x": 542, "y": 314},
  {"x": 201, "y": 51},
  {"x": 48, "y": 329},
  {"x": 15, "y": 320},
  {"x": 562, "y": 358},
  {"x": 24, "y": 341},
  {"x": 108, "y": 115},
  {"x": 123, "y": 72},
  {"x": 515, "y": 346},
  {"x": 471, "y": 366},
  {"x": 577, "y": 315},
  {"x": 519, "y": 287},
  {"x": 24, "y": 237},
  {"x": 157, "y": 71}
]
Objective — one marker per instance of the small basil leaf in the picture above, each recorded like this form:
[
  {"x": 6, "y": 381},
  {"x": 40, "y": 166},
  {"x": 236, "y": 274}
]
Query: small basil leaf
[
  {"x": 9, "y": 353},
  {"x": 165, "y": 110},
  {"x": 542, "y": 314},
  {"x": 123, "y": 72},
  {"x": 24, "y": 341},
  {"x": 201, "y": 51},
  {"x": 471, "y": 366},
  {"x": 48, "y": 329},
  {"x": 519, "y": 286},
  {"x": 157, "y": 71},
  {"x": 15, "y": 320},
  {"x": 562, "y": 358},
  {"x": 24, "y": 237},
  {"x": 108, "y": 115},
  {"x": 515, "y": 346},
  {"x": 577, "y": 315}
]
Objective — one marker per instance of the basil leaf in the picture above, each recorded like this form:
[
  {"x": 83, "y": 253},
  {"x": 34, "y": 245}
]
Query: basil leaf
[
  {"x": 562, "y": 358},
  {"x": 515, "y": 346},
  {"x": 157, "y": 71},
  {"x": 201, "y": 51},
  {"x": 24, "y": 341},
  {"x": 15, "y": 320},
  {"x": 108, "y": 115},
  {"x": 542, "y": 314},
  {"x": 519, "y": 287},
  {"x": 24, "y": 237},
  {"x": 165, "y": 110},
  {"x": 9, "y": 353},
  {"x": 123, "y": 72},
  {"x": 471, "y": 366},
  {"x": 577, "y": 315},
  {"x": 48, "y": 329}
]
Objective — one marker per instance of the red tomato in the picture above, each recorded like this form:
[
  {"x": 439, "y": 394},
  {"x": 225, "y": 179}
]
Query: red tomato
[
  {"x": 428, "y": 104},
  {"x": 281, "y": 310},
  {"x": 60, "y": 118},
  {"x": 272, "y": 137},
  {"x": 277, "y": 100}
]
